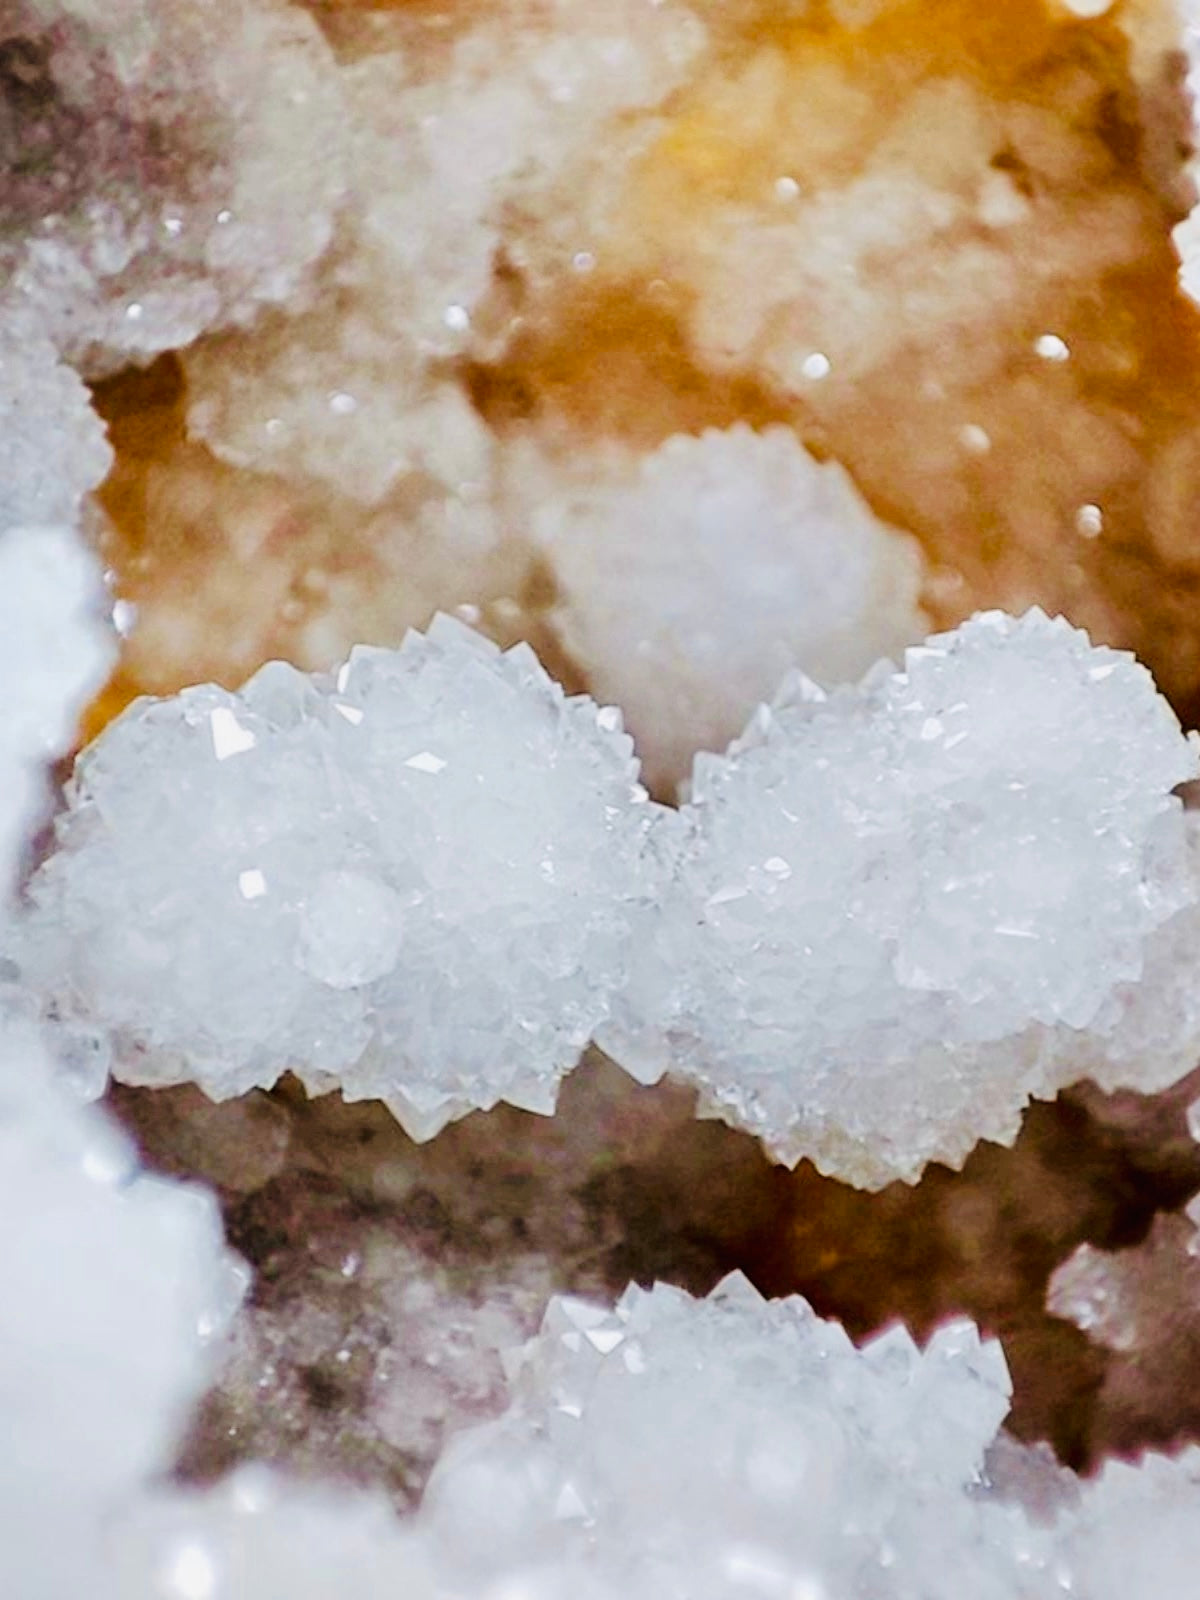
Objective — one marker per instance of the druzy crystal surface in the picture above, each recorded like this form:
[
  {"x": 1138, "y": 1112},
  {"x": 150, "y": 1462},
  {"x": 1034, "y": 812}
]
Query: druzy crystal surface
[
  {"x": 711, "y": 1448},
  {"x": 893, "y": 913},
  {"x": 414, "y": 880},
  {"x": 675, "y": 348},
  {"x": 661, "y": 558}
]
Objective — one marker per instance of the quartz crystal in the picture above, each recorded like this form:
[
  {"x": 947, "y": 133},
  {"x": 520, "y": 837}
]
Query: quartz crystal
[
  {"x": 455, "y": 136},
  {"x": 711, "y": 1449},
  {"x": 701, "y": 1446},
  {"x": 695, "y": 343},
  {"x": 392, "y": 1278},
  {"x": 708, "y": 1448},
  {"x": 414, "y": 879},
  {"x": 52, "y": 446},
  {"x": 173, "y": 169},
  {"x": 893, "y": 913},
  {"x": 661, "y": 559}
]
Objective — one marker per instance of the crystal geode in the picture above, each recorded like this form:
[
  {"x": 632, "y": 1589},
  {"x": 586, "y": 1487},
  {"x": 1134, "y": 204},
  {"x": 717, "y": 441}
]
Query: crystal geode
[{"x": 677, "y": 347}]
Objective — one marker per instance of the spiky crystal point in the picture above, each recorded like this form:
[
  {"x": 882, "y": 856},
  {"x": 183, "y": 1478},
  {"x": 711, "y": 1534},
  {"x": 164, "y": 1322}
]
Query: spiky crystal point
[
  {"x": 685, "y": 1446},
  {"x": 412, "y": 880},
  {"x": 896, "y": 912}
]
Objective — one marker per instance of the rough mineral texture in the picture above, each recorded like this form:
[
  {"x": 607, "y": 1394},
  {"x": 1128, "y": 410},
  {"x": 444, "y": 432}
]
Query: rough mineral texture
[
  {"x": 683, "y": 342},
  {"x": 661, "y": 558},
  {"x": 172, "y": 169},
  {"x": 392, "y": 1279},
  {"x": 895, "y": 913},
  {"x": 700, "y": 1443},
  {"x": 413, "y": 879},
  {"x": 985, "y": 1242},
  {"x": 52, "y": 446}
]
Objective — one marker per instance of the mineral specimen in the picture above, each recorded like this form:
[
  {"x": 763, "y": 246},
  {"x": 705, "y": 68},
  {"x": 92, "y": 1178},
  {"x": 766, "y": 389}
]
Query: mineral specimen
[
  {"x": 170, "y": 170},
  {"x": 393, "y": 1279},
  {"x": 414, "y": 879},
  {"x": 52, "y": 446},
  {"x": 544, "y": 313},
  {"x": 728, "y": 1443},
  {"x": 460, "y": 139},
  {"x": 894, "y": 913},
  {"x": 662, "y": 558},
  {"x": 712, "y": 1449}
]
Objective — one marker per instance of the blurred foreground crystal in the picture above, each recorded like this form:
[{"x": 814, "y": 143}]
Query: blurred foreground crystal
[
  {"x": 115, "y": 1286},
  {"x": 170, "y": 169},
  {"x": 896, "y": 912},
  {"x": 54, "y": 653},
  {"x": 413, "y": 880}
]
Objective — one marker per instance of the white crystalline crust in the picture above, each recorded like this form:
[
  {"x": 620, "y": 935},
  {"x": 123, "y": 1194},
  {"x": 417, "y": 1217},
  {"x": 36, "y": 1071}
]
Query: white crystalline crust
[
  {"x": 462, "y": 142},
  {"x": 895, "y": 913},
  {"x": 663, "y": 558},
  {"x": 54, "y": 654},
  {"x": 707, "y": 1450},
  {"x": 413, "y": 880},
  {"x": 114, "y": 1287},
  {"x": 52, "y": 446},
  {"x": 177, "y": 166},
  {"x": 691, "y": 1447}
]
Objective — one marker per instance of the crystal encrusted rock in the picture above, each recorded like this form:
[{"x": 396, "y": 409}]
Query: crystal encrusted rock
[
  {"x": 171, "y": 168},
  {"x": 728, "y": 1445},
  {"x": 413, "y": 879},
  {"x": 896, "y": 912},
  {"x": 662, "y": 559}
]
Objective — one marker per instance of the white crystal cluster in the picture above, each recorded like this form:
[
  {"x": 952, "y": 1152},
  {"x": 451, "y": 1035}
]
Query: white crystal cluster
[
  {"x": 662, "y": 558},
  {"x": 172, "y": 167},
  {"x": 460, "y": 143},
  {"x": 457, "y": 139},
  {"x": 413, "y": 879},
  {"x": 895, "y": 912},
  {"x": 885, "y": 919},
  {"x": 714, "y": 1449},
  {"x": 708, "y": 1447}
]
